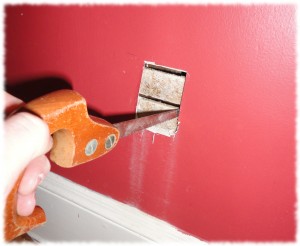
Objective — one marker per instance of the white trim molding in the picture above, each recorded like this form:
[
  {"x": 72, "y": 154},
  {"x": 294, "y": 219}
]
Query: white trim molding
[{"x": 75, "y": 213}]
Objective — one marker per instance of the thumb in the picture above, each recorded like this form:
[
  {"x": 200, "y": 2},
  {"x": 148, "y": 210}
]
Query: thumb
[{"x": 26, "y": 137}]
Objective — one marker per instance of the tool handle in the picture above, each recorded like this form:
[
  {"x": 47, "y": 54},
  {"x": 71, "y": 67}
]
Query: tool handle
[{"x": 77, "y": 139}]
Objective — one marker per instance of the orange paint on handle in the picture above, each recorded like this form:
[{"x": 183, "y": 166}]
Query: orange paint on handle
[{"x": 65, "y": 112}]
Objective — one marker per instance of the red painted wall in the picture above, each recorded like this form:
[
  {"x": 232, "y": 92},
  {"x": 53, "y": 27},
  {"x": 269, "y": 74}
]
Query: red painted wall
[{"x": 229, "y": 174}]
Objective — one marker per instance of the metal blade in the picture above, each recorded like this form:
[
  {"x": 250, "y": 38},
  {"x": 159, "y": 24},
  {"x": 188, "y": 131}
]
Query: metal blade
[{"x": 131, "y": 126}]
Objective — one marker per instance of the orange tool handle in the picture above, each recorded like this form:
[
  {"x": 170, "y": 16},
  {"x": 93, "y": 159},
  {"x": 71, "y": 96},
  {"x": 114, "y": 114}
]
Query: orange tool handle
[{"x": 77, "y": 139}]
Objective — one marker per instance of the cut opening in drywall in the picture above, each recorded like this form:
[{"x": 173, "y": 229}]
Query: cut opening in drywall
[{"x": 161, "y": 89}]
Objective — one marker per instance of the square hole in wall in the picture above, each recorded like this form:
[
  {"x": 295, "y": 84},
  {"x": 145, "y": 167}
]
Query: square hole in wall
[{"x": 161, "y": 89}]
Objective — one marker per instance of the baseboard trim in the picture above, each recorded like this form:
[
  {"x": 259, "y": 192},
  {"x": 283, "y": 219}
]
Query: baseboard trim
[{"x": 75, "y": 213}]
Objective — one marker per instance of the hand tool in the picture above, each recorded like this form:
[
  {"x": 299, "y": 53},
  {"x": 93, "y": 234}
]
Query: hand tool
[{"x": 77, "y": 139}]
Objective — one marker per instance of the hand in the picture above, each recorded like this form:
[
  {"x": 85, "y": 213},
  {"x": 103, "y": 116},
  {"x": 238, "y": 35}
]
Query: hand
[{"x": 26, "y": 141}]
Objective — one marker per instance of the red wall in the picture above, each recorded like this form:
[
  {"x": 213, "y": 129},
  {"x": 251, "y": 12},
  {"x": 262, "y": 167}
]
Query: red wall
[{"x": 229, "y": 174}]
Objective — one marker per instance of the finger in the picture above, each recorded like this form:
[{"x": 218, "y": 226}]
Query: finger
[
  {"x": 26, "y": 204},
  {"x": 11, "y": 103},
  {"x": 34, "y": 174},
  {"x": 26, "y": 137}
]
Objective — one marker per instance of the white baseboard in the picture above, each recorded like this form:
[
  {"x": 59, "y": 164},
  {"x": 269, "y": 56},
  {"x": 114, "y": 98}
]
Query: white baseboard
[{"x": 75, "y": 213}]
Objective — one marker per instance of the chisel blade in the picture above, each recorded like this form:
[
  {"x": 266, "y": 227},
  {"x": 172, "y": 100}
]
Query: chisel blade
[{"x": 129, "y": 127}]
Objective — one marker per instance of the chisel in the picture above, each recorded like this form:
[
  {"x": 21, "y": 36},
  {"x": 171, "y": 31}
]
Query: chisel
[{"x": 77, "y": 139}]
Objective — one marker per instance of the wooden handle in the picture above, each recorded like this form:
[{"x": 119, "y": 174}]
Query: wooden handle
[{"x": 77, "y": 139}]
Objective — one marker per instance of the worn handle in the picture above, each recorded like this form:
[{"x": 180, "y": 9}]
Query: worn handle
[{"x": 77, "y": 139}]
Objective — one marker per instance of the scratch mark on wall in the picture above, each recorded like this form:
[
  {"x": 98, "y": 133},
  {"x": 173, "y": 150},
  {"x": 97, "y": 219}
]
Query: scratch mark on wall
[
  {"x": 139, "y": 155},
  {"x": 170, "y": 170},
  {"x": 153, "y": 138}
]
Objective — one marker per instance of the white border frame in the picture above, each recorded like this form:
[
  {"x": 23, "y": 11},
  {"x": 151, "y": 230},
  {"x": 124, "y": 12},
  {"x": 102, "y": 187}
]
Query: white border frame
[{"x": 245, "y": 2}]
